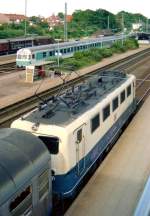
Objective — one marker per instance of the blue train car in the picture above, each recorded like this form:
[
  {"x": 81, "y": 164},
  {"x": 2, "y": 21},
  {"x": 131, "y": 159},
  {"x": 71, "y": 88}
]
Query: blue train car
[{"x": 25, "y": 175}]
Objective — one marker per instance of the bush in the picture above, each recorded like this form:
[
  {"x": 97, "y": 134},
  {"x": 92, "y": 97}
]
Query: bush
[
  {"x": 72, "y": 63},
  {"x": 106, "y": 52},
  {"x": 131, "y": 44},
  {"x": 78, "y": 55}
]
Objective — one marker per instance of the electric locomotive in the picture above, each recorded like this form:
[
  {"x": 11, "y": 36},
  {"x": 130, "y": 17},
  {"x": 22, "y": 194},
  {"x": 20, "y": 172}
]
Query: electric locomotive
[{"x": 78, "y": 126}]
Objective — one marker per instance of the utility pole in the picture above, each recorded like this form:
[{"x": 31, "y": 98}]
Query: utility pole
[
  {"x": 58, "y": 53},
  {"x": 108, "y": 22},
  {"x": 147, "y": 25},
  {"x": 25, "y": 23},
  {"x": 65, "y": 24},
  {"x": 122, "y": 27}
]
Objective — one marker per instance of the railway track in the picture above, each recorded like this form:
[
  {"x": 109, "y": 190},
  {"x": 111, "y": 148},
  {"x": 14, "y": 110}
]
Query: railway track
[
  {"x": 9, "y": 113},
  {"x": 8, "y": 68}
]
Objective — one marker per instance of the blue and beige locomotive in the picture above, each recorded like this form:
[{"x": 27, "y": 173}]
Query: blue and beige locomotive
[
  {"x": 38, "y": 54},
  {"x": 25, "y": 175},
  {"x": 78, "y": 126}
]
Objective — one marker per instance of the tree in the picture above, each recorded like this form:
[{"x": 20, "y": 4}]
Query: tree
[{"x": 61, "y": 15}]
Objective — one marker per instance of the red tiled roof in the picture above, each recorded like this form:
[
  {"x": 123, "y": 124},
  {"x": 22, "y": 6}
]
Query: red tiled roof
[
  {"x": 69, "y": 18},
  {"x": 3, "y": 18},
  {"x": 14, "y": 17}
]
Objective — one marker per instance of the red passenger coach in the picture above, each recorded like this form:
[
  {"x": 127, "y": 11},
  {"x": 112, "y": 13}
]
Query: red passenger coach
[{"x": 4, "y": 47}]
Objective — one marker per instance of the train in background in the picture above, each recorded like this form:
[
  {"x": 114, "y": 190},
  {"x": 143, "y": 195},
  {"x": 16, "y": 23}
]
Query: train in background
[
  {"x": 34, "y": 55},
  {"x": 143, "y": 37},
  {"x": 10, "y": 46},
  {"x": 80, "y": 125},
  {"x": 25, "y": 175}
]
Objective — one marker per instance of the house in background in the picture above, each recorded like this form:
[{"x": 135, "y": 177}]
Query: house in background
[
  {"x": 4, "y": 19},
  {"x": 55, "y": 20},
  {"x": 11, "y": 18},
  {"x": 136, "y": 26}
]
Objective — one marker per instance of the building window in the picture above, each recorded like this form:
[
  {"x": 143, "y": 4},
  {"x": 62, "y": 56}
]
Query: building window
[
  {"x": 43, "y": 184},
  {"x": 79, "y": 135},
  {"x": 106, "y": 112},
  {"x": 122, "y": 96},
  {"x": 128, "y": 90},
  {"x": 22, "y": 203},
  {"x": 52, "y": 144},
  {"x": 95, "y": 122},
  {"x": 115, "y": 103}
]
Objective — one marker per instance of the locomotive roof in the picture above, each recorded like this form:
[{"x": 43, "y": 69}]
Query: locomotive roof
[
  {"x": 63, "y": 110},
  {"x": 21, "y": 156},
  {"x": 72, "y": 43}
]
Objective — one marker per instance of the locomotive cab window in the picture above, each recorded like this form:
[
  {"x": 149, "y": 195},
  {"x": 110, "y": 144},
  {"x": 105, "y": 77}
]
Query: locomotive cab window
[
  {"x": 95, "y": 122},
  {"x": 122, "y": 96},
  {"x": 106, "y": 112},
  {"x": 115, "y": 103},
  {"x": 128, "y": 90},
  {"x": 52, "y": 144},
  {"x": 22, "y": 203}
]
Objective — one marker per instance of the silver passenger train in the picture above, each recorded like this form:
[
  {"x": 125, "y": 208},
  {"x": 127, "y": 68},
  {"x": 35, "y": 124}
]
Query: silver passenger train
[
  {"x": 36, "y": 54},
  {"x": 25, "y": 175},
  {"x": 78, "y": 126}
]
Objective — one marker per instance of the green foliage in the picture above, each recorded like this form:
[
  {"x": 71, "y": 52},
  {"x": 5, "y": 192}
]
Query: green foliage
[
  {"x": 73, "y": 64},
  {"x": 106, "y": 52},
  {"x": 61, "y": 15},
  {"x": 84, "y": 24},
  {"x": 78, "y": 55},
  {"x": 131, "y": 44},
  {"x": 130, "y": 18},
  {"x": 123, "y": 46},
  {"x": 118, "y": 47},
  {"x": 96, "y": 54}
]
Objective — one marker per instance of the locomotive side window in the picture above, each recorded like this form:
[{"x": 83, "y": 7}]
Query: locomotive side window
[
  {"x": 95, "y": 122},
  {"x": 22, "y": 203},
  {"x": 122, "y": 96},
  {"x": 79, "y": 135},
  {"x": 128, "y": 90},
  {"x": 43, "y": 184},
  {"x": 52, "y": 143},
  {"x": 106, "y": 112},
  {"x": 115, "y": 103}
]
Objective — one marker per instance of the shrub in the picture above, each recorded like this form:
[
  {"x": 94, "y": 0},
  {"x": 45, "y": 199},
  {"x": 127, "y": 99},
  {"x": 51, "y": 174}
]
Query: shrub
[
  {"x": 131, "y": 44},
  {"x": 78, "y": 55},
  {"x": 106, "y": 52}
]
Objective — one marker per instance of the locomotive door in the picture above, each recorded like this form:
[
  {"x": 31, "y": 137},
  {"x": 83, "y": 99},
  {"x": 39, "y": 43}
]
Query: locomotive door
[{"x": 79, "y": 135}]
